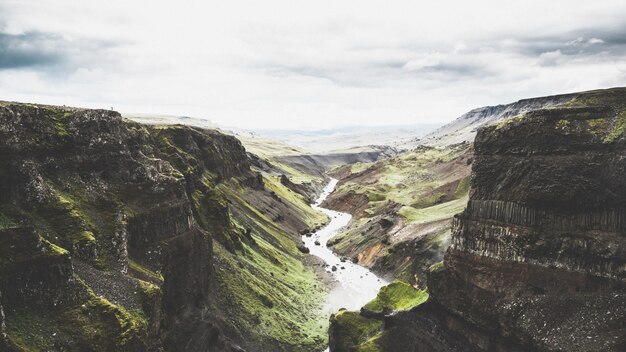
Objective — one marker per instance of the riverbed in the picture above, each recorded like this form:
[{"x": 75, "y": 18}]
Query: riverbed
[{"x": 355, "y": 285}]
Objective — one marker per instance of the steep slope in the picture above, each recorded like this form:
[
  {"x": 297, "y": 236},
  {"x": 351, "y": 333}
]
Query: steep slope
[
  {"x": 402, "y": 209},
  {"x": 120, "y": 236},
  {"x": 537, "y": 257}
]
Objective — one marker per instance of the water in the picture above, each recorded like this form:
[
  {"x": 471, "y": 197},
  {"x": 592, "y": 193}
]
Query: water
[{"x": 355, "y": 285}]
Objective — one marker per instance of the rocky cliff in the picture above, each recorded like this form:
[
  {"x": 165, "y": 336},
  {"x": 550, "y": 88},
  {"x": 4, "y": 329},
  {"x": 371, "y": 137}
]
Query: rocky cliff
[
  {"x": 121, "y": 236},
  {"x": 537, "y": 260}
]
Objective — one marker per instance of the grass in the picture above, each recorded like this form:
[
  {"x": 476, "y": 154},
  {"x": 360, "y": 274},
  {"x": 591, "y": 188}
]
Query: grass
[
  {"x": 405, "y": 178},
  {"x": 265, "y": 288},
  {"x": 310, "y": 215},
  {"x": 435, "y": 212},
  {"x": 436, "y": 267},
  {"x": 352, "y": 330},
  {"x": 157, "y": 277},
  {"x": 273, "y": 295},
  {"x": 397, "y": 296}
]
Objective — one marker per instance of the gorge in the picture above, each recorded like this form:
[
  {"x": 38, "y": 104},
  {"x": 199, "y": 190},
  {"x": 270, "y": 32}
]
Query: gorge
[{"x": 122, "y": 236}]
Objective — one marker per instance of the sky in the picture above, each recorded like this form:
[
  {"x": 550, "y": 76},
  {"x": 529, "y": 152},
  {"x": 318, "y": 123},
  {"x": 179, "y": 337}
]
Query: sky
[{"x": 307, "y": 64}]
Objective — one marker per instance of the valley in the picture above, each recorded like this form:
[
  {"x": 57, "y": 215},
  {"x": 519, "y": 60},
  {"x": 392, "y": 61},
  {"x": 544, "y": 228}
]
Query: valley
[{"x": 161, "y": 233}]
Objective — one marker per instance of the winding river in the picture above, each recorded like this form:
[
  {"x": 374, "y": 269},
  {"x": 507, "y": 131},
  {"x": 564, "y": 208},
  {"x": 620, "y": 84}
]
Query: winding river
[{"x": 355, "y": 284}]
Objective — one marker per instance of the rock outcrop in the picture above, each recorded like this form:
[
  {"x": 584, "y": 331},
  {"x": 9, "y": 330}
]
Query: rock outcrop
[
  {"x": 32, "y": 270},
  {"x": 87, "y": 184},
  {"x": 537, "y": 260}
]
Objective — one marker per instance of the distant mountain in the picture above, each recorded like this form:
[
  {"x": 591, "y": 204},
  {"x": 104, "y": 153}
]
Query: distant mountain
[
  {"x": 340, "y": 139},
  {"x": 463, "y": 129}
]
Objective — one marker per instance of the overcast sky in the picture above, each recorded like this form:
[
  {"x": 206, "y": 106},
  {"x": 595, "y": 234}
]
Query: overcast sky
[{"x": 309, "y": 64}]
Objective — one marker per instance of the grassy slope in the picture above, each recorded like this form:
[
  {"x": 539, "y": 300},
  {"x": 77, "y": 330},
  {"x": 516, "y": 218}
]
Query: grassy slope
[
  {"x": 397, "y": 296},
  {"x": 418, "y": 191},
  {"x": 266, "y": 292},
  {"x": 271, "y": 150}
]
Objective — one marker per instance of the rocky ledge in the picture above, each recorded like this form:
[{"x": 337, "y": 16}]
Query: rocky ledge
[{"x": 538, "y": 258}]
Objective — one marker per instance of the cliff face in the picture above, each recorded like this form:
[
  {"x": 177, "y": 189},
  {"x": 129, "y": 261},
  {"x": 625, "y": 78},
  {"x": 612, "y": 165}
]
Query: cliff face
[
  {"x": 113, "y": 234},
  {"x": 537, "y": 260}
]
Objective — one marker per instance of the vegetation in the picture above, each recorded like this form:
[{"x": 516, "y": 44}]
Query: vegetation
[
  {"x": 397, "y": 296},
  {"x": 266, "y": 289},
  {"x": 353, "y": 331},
  {"x": 404, "y": 226}
]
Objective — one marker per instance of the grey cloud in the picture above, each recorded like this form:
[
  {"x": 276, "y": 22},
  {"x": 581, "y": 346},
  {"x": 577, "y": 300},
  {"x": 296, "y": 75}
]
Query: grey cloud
[
  {"x": 27, "y": 50},
  {"x": 51, "y": 52},
  {"x": 582, "y": 42}
]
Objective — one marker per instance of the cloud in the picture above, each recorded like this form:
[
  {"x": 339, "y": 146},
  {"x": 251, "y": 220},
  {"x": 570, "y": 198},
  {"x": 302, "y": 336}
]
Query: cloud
[
  {"x": 26, "y": 50},
  {"x": 318, "y": 64}
]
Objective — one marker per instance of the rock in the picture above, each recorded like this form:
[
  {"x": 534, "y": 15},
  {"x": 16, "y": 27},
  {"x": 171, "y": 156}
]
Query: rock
[
  {"x": 317, "y": 243},
  {"x": 33, "y": 272},
  {"x": 334, "y": 268},
  {"x": 108, "y": 189},
  {"x": 385, "y": 223},
  {"x": 304, "y": 249},
  {"x": 3, "y": 332},
  {"x": 539, "y": 248}
]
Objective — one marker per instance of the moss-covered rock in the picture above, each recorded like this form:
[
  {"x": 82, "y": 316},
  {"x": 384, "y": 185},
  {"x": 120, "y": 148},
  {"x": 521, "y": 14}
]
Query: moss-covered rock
[
  {"x": 33, "y": 271},
  {"x": 396, "y": 296},
  {"x": 348, "y": 330}
]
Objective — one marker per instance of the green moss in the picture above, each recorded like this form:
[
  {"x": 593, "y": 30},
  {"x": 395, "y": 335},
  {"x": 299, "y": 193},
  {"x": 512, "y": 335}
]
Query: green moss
[
  {"x": 296, "y": 201},
  {"x": 619, "y": 128},
  {"x": 15, "y": 251},
  {"x": 436, "y": 267},
  {"x": 351, "y": 329},
  {"x": 562, "y": 125},
  {"x": 598, "y": 127},
  {"x": 462, "y": 188},
  {"x": 274, "y": 295},
  {"x": 435, "y": 212},
  {"x": 397, "y": 296},
  {"x": 509, "y": 121},
  {"x": 156, "y": 277},
  {"x": 428, "y": 201},
  {"x": 95, "y": 325},
  {"x": 371, "y": 345}
]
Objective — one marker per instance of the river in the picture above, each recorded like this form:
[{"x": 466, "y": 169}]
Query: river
[{"x": 355, "y": 284}]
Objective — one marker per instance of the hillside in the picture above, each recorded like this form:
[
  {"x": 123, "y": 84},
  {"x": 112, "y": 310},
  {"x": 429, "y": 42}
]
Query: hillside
[
  {"x": 463, "y": 129},
  {"x": 120, "y": 236},
  {"x": 402, "y": 209}
]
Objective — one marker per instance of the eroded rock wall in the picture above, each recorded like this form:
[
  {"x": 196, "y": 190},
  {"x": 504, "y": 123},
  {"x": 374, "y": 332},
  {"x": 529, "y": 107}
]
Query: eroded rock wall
[
  {"x": 109, "y": 192},
  {"x": 538, "y": 258}
]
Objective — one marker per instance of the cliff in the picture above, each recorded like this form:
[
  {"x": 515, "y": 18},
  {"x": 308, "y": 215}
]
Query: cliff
[
  {"x": 537, "y": 258},
  {"x": 121, "y": 236}
]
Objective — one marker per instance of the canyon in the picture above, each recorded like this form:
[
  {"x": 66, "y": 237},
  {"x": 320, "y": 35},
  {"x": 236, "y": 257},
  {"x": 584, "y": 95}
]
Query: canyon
[{"x": 117, "y": 235}]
